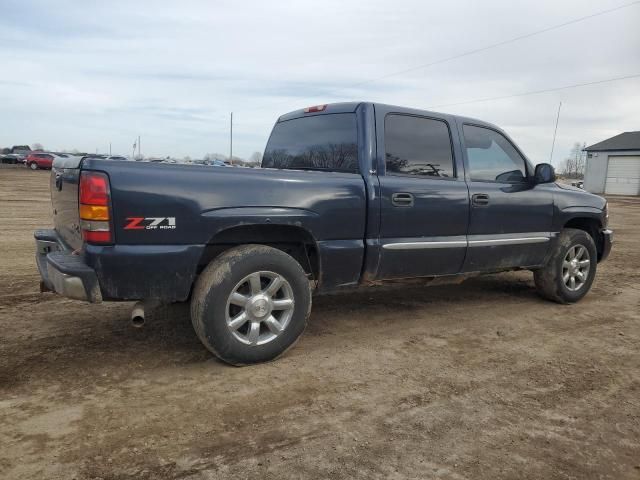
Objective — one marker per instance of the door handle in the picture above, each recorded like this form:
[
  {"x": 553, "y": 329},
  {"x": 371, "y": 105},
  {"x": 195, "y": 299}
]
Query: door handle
[
  {"x": 402, "y": 200},
  {"x": 480, "y": 199}
]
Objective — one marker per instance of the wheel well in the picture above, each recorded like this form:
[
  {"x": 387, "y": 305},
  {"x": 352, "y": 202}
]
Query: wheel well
[
  {"x": 592, "y": 227},
  {"x": 295, "y": 241}
]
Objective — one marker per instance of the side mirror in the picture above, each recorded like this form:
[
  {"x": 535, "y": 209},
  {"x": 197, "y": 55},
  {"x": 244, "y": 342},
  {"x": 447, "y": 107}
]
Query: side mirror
[{"x": 545, "y": 173}]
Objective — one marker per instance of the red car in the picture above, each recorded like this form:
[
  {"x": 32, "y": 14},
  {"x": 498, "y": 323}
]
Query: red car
[{"x": 39, "y": 160}]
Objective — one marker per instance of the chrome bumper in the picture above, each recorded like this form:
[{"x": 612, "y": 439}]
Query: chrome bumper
[
  {"x": 607, "y": 243},
  {"x": 63, "y": 272}
]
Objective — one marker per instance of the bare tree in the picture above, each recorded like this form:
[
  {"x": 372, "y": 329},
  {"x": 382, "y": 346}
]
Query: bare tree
[
  {"x": 255, "y": 159},
  {"x": 574, "y": 164},
  {"x": 38, "y": 146}
]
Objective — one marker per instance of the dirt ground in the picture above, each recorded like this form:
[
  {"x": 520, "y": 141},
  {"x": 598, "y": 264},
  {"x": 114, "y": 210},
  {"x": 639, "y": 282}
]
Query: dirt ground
[{"x": 481, "y": 380}]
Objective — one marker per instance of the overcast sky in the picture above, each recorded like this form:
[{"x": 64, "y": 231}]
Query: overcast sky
[{"x": 79, "y": 74}]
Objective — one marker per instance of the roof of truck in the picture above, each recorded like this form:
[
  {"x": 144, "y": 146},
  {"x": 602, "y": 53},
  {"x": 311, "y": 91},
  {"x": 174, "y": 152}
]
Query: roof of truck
[{"x": 349, "y": 107}]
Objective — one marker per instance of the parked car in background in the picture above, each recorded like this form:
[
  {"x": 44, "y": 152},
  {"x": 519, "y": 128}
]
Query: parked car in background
[
  {"x": 217, "y": 163},
  {"x": 21, "y": 150},
  {"x": 36, "y": 160},
  {"x": 9, "y": 158}
]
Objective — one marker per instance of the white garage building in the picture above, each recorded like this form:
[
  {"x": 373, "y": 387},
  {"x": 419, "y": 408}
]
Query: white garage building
[{"x": 613, "y": 165}]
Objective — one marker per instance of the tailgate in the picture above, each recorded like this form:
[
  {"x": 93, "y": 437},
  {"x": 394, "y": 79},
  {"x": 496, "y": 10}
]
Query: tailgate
[{"x": 65, "y": 176}]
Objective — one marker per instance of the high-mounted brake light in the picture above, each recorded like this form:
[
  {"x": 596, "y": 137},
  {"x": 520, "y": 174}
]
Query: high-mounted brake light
[
  {"x": 94, "y": 207},
  {"x": 317, "y": 108}
]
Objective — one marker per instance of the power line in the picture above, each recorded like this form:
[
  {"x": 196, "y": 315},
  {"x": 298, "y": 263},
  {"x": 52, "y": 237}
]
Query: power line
[
  {"x": 493, "y": 45},
  {"x": 473, "y": 52},
  {"x": 535, "y": 92}
]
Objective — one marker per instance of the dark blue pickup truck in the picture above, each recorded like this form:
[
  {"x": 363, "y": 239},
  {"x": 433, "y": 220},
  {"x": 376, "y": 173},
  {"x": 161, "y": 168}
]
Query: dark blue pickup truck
[{"x": 348, "y": 194}]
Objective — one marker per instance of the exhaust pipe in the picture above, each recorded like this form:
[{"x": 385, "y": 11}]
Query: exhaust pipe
[{"x": 137, "y": 315}]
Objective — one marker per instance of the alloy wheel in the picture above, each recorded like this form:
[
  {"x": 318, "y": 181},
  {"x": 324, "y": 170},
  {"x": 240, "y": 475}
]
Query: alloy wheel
[
  {"x": 575, "y": 267},
  {"x": 259, "y": 308}
]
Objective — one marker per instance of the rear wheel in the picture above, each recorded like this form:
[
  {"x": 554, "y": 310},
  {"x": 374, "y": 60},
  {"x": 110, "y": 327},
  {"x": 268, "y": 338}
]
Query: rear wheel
[
  {"x": 250, "y": 304},
  {"x": 33, "y": 166},
  {"x": 571, "y": 269}
]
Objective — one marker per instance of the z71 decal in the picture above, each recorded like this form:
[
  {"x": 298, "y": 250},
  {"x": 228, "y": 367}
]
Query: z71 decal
[{"x": 150, "y": 223}]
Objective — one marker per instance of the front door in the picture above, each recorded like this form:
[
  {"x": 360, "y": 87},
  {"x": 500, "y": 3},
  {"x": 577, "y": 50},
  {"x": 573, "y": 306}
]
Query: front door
[
  {"x": 424, "y": 199},
  {"x": 510, "y": 217}
]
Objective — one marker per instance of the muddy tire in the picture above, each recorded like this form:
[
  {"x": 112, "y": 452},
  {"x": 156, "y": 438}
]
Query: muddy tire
[
  {"x": 570, "y": 270},
  {"x": 33, "y": 166},
  {"x": 250, "y": 304}
]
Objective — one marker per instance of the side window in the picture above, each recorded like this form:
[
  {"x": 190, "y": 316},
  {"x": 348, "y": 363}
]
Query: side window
[
  {"x": 491, "y": 157},
  {"x": 417, "y": 146}
]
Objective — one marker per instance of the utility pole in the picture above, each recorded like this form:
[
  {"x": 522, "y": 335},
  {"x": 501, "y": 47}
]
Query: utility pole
[
  {"x": 231, "y": 141},
  {"x": 553, "y": 143},
  {"x": 109, "y": 148},
  {"x": 139, "y": 148}
]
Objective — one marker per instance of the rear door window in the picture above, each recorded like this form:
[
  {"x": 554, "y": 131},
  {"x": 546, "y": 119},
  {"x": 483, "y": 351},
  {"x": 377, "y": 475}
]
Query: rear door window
[
  {"x": 319, "y": 142},
  {"x": 417, "y": 146}
]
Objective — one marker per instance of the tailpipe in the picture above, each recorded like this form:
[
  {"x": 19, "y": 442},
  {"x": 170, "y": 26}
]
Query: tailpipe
[{"x": 137, "y": 315}]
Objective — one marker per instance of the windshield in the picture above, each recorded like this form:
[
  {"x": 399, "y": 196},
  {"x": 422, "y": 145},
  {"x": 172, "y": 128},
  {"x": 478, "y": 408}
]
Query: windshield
[{"x": 321, "y": 142}]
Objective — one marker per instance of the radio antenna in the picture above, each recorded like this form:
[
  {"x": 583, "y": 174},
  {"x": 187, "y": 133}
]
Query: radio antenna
[{"x": 553, "y": 143}]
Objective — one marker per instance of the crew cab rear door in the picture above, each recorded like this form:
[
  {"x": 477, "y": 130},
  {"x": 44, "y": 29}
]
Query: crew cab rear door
[
  {"x": 424, "y": 203},
  {"x": 510, "y": 217}
]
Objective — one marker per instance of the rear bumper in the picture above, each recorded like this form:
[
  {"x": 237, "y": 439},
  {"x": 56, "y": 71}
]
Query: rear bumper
[
  {"x": 63, "y": 272},
  {"x": 117, "y": 272},
  {"x": 607, "y": 242}
]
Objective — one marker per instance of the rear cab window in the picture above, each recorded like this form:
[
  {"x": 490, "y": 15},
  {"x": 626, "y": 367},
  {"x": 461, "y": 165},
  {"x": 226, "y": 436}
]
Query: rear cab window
[
  {"x": 326, "y": 142},
  {"x": 418, "y": 147}
]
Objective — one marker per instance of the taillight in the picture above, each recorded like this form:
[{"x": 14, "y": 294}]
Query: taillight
[{"x": 95, "y": 215}]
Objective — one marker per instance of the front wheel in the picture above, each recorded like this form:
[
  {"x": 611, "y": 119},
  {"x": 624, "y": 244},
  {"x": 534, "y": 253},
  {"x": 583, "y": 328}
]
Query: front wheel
[
  {"x": 571, "y": 269},
  {"x": 250, "y": 304},
  {"x": 33, "y": 166}
]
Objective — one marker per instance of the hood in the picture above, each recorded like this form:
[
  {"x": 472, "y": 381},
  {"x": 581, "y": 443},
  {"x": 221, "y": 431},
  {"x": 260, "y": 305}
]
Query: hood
[
  {"x": 569, "y": 196},
  {"x": 566, "y": 186}
]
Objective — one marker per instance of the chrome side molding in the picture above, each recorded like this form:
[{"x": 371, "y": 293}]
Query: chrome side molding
[
  {"x": 459, "y": 241},
  {"x": 423, "y": 245}
]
